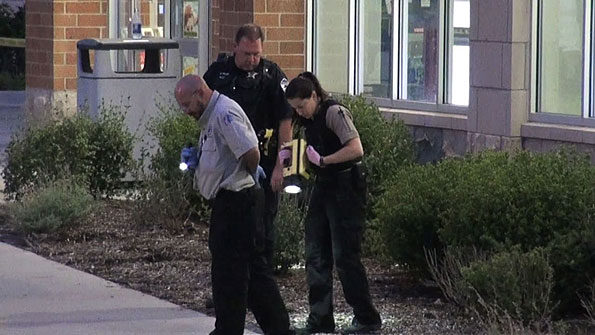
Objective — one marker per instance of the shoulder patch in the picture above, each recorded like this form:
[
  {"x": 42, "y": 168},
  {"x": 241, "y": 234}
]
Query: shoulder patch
[
  {"x": 227, "y": 119},
  {"x": 284, "y": 83}
]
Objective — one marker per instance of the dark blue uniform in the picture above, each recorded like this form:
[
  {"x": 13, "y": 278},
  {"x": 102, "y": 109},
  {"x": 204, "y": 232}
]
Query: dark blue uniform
[
  {"x": 261, "y": 94},
  {"x": 334, "y": 226}
]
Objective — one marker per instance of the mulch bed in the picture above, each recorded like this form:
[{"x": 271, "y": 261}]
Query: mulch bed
[{"x": 175, "y": 266}]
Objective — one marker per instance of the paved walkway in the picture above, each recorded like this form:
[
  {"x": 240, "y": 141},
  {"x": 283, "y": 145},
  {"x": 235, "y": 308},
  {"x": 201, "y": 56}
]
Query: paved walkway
[{"x": 39, "y": 296}]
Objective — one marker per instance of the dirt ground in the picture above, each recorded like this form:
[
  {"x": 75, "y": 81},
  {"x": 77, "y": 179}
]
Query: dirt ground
[{"x": 175, "y": 267}]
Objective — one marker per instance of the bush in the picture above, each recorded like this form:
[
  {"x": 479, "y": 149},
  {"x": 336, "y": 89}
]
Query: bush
[
  {"x": 493, "y": 201},
  {"x": 167, "y": 192},
  {"x": 512, "y": 283},
  {"x": 99, "y": 152},
  {"x": 289, "y": 226},
  {"x": 52, "y": 207},
  {"x": 388, "y": 147}
]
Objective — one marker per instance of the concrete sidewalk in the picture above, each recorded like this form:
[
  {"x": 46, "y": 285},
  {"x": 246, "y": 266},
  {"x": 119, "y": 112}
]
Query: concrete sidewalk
[{"x": 39, "y": 296}]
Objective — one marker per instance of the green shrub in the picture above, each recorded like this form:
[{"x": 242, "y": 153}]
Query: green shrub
[
  {"x": 511, "y": 283},
  {"x": 493, "y": 201},
  {"x": 99, "y": 152},
  {"x": 289, "y": 226},
  {"x": 167, "y": 192},
  {"x": 388, "y": 147},
  {"x": 52, "y": 207}
]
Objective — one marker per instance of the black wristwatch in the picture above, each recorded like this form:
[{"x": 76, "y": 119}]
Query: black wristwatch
[{"x": 321, "y": 162}]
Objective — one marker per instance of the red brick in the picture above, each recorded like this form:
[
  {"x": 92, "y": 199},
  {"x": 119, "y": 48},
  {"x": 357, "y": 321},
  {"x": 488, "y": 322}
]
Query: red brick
[
  {"x": 285, "y": 34},
  {"x": 80, "y": 33},
  {"x": 33, "y": 18},
  {"x": 270, "y": 48},
  {"x": 64, "y": 71},
  {"x": 59, "y": 8},
  {"x": 285, "y": 6},
  {"x": 71, "y": 83},
  {"x": 65, "y": 46},
  {"x": 259, "y": 6},
  {"x": 64, "y": 20},
  {"x": 91, "y": 7},
  {"x": 267, "y": 20},
  {"x": 292, "y": 20},
  {"x": 92, "y": 20},
  {"x": 59, "y": 84},
  {"x": 291, "y": 48},
  {"x": 59, "y": 58},
  {"x": 59, "y": 34},
  {"x": 285, "y": 61},
  {"x": 71, "y": 58},
  {"x": 292, "y": 73}
]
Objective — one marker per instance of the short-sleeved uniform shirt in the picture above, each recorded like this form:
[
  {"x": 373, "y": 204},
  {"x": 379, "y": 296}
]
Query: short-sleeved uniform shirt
[
  {"x": 225, "y": 136},
  {"x": 340, "y": 121},
  {"x": 260, "y": 93}
]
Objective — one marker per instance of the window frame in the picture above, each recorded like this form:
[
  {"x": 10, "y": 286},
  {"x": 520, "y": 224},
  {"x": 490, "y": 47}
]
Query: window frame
[
  {"x": 399, "y": 57},
  {"x": 587, "y": 117}
]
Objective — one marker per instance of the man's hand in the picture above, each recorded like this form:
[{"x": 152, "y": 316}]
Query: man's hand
[
  {"x": 313, "y": 155},
  {"x": 277, "y": 178},
  {"x": 189, "y": 156}
]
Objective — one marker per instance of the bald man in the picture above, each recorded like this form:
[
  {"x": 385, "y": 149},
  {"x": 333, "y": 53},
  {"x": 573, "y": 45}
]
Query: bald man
[{"x": 228, "y": 159}]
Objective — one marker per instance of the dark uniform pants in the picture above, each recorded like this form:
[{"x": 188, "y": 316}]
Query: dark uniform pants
[
  {"x": 271, "y": 207},
  {"x": 239, "y": 273},
  {"x": 334, "y": 227}
]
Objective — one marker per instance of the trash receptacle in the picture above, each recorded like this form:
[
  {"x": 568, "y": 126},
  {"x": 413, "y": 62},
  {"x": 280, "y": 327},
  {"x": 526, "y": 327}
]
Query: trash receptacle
[{"x": 134, "y": 74}]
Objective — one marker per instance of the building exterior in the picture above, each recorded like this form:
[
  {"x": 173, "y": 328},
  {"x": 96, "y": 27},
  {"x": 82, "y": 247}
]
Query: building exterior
[{"x": 465, "y": 75}]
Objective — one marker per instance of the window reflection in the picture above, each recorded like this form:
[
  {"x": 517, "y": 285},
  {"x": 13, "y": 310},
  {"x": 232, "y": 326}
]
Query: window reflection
[
  {"x": 377, "y": 47},
  {"x": 459, "y": 53},
  {"x": 561, "y": 56},
  {"x": 421, "y": 42},
  {"x": 332, "y": 44}
]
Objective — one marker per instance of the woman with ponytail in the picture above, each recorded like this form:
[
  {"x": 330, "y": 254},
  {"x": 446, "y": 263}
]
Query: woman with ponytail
[{"x": 335, "y": 218}]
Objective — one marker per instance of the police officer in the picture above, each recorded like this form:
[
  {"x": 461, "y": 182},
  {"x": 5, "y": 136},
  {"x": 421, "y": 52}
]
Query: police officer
[
  {"x": 258, "y": 85},
  {"x": 227, "y": 174},
  {"x": 334, "y": 222}
]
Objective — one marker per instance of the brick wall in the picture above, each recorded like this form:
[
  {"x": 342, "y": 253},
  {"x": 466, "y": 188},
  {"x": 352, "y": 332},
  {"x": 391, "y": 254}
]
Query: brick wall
[
  {"x": 226, "y": 17},
  {"x": 53, "y": 28},
  {"x": 284, "y": 24},
  {"x": 39, "y": 44}
]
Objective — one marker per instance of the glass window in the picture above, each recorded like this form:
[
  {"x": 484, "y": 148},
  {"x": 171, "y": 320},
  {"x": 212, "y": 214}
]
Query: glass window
[
  {"x": 458, "y": 51},
  {"x": 420, "y": 42},
  {"x": 409, "y": 51},
  {"x": 561, "y": 56},
  {"x": 332, "y": 44},
  {"x": 376, "y": 47}
]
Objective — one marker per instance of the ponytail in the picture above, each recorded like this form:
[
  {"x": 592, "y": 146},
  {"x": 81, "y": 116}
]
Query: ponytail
[{"x": 303, "y": 85}]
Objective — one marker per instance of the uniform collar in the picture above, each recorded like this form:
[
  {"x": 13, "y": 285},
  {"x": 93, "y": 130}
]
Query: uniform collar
[
  {"x": 206, "y": 115},
  {"x": 258, "y": 67}
]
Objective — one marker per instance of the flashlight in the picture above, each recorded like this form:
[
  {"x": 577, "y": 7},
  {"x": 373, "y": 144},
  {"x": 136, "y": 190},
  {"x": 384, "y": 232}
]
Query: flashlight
[
  {"x": 293, "y": 157},
  {"x": 188, "y": 158}
]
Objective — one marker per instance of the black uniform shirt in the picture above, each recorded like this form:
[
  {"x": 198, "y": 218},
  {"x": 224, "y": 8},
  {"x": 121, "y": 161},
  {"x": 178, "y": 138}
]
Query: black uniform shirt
[{"x": 260, "y": 93}]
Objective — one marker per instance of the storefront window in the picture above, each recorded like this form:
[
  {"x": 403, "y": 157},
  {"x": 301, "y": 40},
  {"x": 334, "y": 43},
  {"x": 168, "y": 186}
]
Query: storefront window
[
  {"x": 376, "y": 24},
  {"x": 332, "y": 44},
  {"x": 421, "y": 42},
  {"x": 561, "y": 56},
  {"x": 458, "y": 44}
]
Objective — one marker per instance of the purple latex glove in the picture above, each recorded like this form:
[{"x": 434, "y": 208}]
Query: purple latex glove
[
  {"x": 313, "y": 156},
  {"x": 285, "y": 157}
]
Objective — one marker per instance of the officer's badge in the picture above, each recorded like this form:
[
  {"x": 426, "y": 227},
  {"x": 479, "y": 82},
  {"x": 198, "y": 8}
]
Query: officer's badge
[
  {"x": 252, "y": 75},
  {"x": 223, "y": 75},
  {"x": 284, "y": 83}
]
